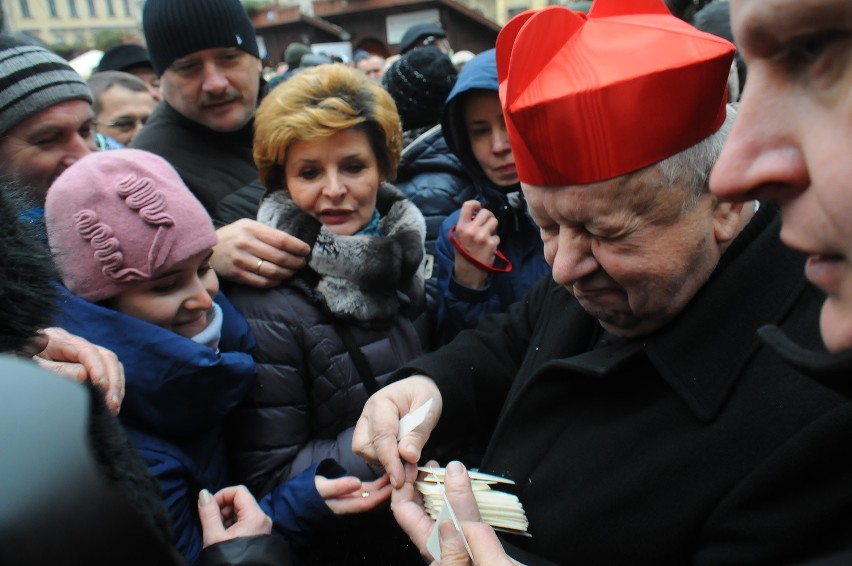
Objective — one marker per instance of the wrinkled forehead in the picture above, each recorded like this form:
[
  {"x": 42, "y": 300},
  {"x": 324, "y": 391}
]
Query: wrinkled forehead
[{"x": 644, "y": 194}]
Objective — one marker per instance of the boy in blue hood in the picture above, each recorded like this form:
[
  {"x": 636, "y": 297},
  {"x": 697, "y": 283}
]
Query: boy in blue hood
[{"x": 489, "y": 252}]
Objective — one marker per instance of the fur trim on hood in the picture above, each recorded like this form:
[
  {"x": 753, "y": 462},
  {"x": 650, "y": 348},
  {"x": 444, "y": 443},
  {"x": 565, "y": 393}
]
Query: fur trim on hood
[{"x": 366, "y": 279}]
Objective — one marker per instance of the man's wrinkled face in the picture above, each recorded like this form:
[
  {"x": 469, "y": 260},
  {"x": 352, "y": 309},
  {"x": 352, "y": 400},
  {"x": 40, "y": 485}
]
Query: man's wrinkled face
[
  {"x": 216, "y": 88},
  {"x": 792, "y": 138},
  {"x": 36, "y": 151},
  {"x": 626, "y": 249}
]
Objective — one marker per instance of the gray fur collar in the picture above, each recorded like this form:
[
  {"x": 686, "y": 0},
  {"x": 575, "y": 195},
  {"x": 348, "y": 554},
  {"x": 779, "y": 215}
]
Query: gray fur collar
[{"x": 366, "y": 279}]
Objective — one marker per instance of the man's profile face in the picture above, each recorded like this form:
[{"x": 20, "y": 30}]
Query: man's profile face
[
  {"x": 626, "y": 249},
  {"x": 792, "y": 138},
  {"x": 217, "y": 88},
  {"x": 37, "y": 150}
]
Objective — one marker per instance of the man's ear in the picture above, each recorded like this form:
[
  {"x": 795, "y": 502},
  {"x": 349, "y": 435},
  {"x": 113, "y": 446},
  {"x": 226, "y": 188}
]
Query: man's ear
[{"x": 726, "y": 219}]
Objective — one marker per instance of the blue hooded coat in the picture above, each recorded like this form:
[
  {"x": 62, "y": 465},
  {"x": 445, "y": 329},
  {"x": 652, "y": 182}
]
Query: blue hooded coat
[
  {"x": 461, "y": 307},
  {"x": 177, "y": 395}
]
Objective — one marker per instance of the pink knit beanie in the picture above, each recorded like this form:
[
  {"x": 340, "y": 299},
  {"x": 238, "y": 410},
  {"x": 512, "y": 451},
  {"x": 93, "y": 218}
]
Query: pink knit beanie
[{"x": 119, "y": 217}]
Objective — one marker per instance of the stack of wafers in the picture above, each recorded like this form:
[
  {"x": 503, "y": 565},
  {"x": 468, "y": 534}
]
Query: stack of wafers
[{"x": 501, "y": 510}]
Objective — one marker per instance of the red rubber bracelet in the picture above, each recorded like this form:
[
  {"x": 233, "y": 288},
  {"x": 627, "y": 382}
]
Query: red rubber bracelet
[{"x": 504, "y": 265}]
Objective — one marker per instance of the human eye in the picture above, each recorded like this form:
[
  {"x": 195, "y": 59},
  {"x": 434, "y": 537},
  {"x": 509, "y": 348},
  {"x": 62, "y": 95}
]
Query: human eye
[
  {"x": 205, "y": 268},
  {"x": 478, "y": 131},
  {"x": 354, "y": 167},
  {"x": 85, "y": 131},
  {"x": 309, "y": 173},
  {"x": 187, "y": 67},
  {"x": 164, "y": 286},
  {"x": 816, "y": 54},
  {"x": 231, "y": 56},
  {"x": 47, "y": 139}
]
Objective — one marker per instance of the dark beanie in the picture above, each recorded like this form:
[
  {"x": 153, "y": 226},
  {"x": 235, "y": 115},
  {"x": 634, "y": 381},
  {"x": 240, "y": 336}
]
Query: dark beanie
[
  {"x": 415, "y": 32},
  {"x": 176, "y": 28},
  {"x": 124, "y": 56},
  {"x": 33, "y": 79},
  {"x": 419, "y": 83}
]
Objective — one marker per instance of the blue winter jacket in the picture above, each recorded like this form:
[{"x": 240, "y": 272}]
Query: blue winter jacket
[
  {"x": 461, "y": 307},
  {"x": 177, "y": 395}
]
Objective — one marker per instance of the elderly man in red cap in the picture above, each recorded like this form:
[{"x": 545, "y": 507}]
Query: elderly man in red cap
[{"x": 628, "y": 397}]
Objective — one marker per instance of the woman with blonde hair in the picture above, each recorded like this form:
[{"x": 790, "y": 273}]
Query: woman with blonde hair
[{"x": 327, "y": 142}]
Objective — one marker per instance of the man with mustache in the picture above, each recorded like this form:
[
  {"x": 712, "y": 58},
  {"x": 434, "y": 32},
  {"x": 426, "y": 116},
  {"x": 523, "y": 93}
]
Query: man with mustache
[
  {"x": 209, "y": 65},
  {"x": 629, "y": 397}
]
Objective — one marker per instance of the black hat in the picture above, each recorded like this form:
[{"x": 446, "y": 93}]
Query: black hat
[
  {"x": 176, "y": 28},
  {"x": 124, "y": 56},
  {"x": 419, "y": 83},
  {"x": 414, "y": 33}
]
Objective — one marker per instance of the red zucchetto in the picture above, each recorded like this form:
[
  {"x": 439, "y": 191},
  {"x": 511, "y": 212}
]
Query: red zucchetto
[{"x": 589, "y": 98}]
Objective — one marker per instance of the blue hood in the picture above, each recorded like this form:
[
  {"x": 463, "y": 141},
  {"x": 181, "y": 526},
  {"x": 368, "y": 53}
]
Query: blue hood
[
  {"x": 480, "y": 73},
  {"x": 175, "y": 388}
]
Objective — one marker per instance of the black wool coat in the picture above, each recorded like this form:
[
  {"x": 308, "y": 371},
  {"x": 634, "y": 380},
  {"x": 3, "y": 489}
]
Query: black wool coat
[
  {"x": 212, "y": 164},
  {"x": 696, "y": 444}
]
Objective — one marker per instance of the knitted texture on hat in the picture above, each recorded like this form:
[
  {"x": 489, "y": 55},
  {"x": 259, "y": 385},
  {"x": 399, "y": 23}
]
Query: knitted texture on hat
[
  {"x": 119, "y": 217},
  {"x": 33, "y": 79},
  {"x": 176, "y": 28},
  {"x": 419, "y": 83}
]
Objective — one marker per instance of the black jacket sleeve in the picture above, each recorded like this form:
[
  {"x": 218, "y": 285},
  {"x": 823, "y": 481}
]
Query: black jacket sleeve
[{"x": 264, "y": 550}]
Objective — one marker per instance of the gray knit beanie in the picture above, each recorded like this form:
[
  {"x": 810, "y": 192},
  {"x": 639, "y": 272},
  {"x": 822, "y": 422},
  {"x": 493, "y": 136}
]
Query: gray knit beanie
[
  {"x": 33, "y": 79},
  {"x": 176, "y": 28}
]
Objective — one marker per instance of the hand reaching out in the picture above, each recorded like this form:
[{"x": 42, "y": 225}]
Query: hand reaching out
[{"x": 348, "y": 495}]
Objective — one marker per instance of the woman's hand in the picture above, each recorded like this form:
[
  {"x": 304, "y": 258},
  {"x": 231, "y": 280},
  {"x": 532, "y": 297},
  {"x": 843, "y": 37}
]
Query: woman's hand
[
  {"x": 476, "y": 231},
  {"x": 233, "y": 512}
]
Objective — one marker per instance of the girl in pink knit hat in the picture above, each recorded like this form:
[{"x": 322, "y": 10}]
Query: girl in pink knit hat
[{"x": 133, "y": 248}]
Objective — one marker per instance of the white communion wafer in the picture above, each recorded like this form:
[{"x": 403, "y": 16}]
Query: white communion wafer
[{"x": 499, "y": 509}]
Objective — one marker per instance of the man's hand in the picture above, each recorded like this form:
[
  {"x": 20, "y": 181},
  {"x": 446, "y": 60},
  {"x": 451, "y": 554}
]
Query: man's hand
[
  {"x": 375, "y": 433},
  {"x": 80, "y": 360},
  {"x": 483, "y": 541},
  {"x": 256, "y": 254},
  {"x": 233, "y": 512},
  {"x": 349, "y": 495},
  {"x": 407, "y": 506}
]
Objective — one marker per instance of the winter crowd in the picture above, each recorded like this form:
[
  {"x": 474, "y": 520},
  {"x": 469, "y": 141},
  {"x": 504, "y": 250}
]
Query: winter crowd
[{"x": 613, "y": 253}]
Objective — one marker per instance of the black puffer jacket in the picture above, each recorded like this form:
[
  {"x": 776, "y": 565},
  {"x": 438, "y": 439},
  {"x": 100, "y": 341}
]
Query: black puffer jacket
[
  {"x": 309, "y": 393},
  {"x": 434, "y": 179}
]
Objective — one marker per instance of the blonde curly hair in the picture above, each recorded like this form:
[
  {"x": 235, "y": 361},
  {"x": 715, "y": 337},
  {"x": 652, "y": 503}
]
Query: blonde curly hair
[{"x": 319, "y": 102}]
